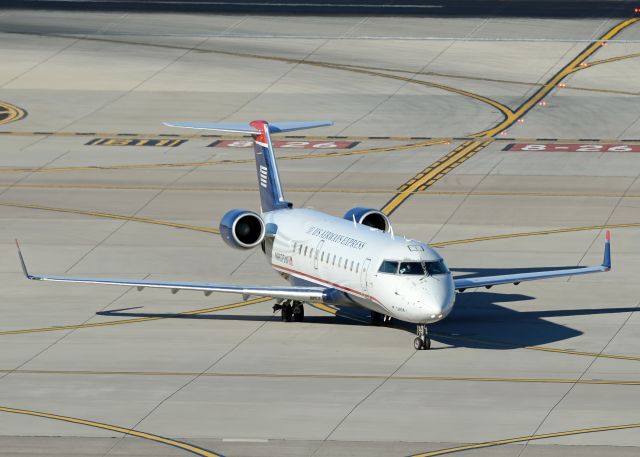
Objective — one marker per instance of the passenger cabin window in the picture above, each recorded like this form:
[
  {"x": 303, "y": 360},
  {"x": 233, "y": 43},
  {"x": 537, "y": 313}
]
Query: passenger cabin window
[
  {"x": 311, "y": 252},
  {"x": 389, "y": 266},
  {"x": 351, "y": 267},
  {"x": 300, "y": 249},
  {"x": 334, "y": 260},
  {"x": 322, "y": 257},
  {"x": 357, "y": 266},
  {"x": 305, "y": 250},
  {"x": 423, "y": 268}
]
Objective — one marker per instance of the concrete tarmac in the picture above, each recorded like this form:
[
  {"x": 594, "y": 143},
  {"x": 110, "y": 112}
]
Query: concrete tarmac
[{"x": 92, "y": 185}]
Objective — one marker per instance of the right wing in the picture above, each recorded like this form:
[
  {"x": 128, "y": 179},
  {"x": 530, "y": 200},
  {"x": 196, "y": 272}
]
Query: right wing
[
  {"x": 488, "y": 281},
  {"x": 290, "y": 293}
]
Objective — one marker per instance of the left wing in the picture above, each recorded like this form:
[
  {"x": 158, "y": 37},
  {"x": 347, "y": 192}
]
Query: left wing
[
  {"x": 291, "y": 293},
  {"x": 488, "y": 281}
]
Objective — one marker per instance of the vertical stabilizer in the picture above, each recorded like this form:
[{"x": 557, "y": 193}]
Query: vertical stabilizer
[{"x": 271, "y": 196}]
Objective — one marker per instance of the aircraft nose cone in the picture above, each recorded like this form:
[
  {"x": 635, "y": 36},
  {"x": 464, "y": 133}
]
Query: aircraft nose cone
[{"x": 441, "y": 299}]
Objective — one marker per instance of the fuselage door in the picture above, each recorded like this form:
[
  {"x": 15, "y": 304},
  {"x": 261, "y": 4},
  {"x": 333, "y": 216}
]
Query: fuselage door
[
  {"x": 316, "y": 255},
  {"x": 363, "y": 274}
]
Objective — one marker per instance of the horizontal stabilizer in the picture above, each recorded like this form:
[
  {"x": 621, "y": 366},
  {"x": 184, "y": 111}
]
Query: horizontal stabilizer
[{"x": 276, "y": 127}]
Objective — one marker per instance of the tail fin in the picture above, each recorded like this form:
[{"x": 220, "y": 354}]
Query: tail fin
[{"x": 271, "y": 197}]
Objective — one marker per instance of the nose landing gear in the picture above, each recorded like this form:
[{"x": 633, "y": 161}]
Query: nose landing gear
[{"x": 422, "y": 340}]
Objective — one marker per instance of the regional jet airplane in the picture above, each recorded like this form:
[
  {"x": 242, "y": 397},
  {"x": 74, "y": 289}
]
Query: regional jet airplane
[{"x": 354, "y": 260}]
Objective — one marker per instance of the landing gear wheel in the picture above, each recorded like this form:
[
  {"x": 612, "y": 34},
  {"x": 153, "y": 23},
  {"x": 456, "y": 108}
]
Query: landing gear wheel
[
  {"x": 422, "y": 341},
  {"x": 287, "y": 311},
  {"x": 386, "y": 320},
  {"x": 376, "y": 318},
  {"x": 298, "y": 312}
]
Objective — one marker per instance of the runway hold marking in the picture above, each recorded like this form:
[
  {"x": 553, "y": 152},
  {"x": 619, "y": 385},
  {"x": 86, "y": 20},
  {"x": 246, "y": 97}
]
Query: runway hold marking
[
  {"x": 281, "y": 144},
  {"x": 113, "y": 216},
  {"x": 522, "y": 439},
  {"x": 347, "y": 376},
  {"x": 138, "y": 319},
  {"x": 157, "y": 142},
  {"x": 10, "y": 113},
  {"x": 318, "y": 155},
  {"x": 572, "y": 147},
  {"x": 114, "y": 428},
  {"x": 329, "y": 190}
]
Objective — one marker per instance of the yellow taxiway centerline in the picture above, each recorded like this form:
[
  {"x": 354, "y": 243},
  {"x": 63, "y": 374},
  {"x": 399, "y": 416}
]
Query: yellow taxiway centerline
[
  {"x": 468, "y": 149},
  {"x": 345, "y": 376},
  {"x": 145, "y": 166},
  {"x": 136, "y": 320},
  {"x": 147, "y": 436},
  {"x": 522, "y": 439}
]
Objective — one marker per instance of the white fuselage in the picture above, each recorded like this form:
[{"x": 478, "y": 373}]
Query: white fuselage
[{"x": 311, "y": 247}]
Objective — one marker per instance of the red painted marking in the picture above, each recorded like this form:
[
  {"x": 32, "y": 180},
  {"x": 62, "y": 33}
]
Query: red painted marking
[
  {"x": 608, "y": 236},
  {"x": 261, "y": 126},
  {"x": 572, "y": 147},
  {"x": 315, "y": 144}
]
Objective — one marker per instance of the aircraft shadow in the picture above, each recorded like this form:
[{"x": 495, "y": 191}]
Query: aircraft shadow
[
  {"x": 478, "y": 319},
  {"x": 328, "y": 319}
]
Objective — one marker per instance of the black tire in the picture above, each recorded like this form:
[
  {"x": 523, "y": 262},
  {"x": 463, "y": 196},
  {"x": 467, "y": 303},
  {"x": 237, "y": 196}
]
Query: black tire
[
  {"x": 427, "y": 343},
  {"x": 287, "y": 312},
  {"x": 418, "y": 344},
  {"x": 376, "y": 318},
  {"x": 298, "y": 313}
]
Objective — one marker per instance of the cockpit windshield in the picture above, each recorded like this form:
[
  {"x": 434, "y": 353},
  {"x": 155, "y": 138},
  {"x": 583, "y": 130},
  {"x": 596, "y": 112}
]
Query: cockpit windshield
[
  {"x": 423, "y": 268},
  {"x": 430, "y": 268}
]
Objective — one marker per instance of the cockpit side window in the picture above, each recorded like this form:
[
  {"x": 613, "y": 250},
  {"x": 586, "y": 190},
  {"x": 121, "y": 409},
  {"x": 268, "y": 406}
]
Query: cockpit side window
[{"x": 388, "y": 266}]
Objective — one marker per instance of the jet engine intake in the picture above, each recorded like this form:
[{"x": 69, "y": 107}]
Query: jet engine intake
[
  {"x": 369, "y": 217},
  {"x": 242, "y": 229}
]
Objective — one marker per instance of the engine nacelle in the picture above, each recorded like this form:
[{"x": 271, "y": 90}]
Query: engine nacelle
[
  {"x": 369, "y": 217},
  {"x": 242, "y": 229}
]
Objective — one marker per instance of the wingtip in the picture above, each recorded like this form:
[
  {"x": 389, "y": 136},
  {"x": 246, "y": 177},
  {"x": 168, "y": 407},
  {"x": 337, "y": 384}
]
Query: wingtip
[
  {"x": 606, "y": 262},
  {"x": 23, "y": 265}
]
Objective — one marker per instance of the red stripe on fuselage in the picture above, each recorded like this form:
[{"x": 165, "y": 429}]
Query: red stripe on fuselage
[{"x": 338, "y": 286}]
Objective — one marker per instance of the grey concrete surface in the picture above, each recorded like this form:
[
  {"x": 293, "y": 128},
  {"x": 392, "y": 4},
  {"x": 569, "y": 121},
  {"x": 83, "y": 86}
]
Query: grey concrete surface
[{"x": 546, "y": 357}]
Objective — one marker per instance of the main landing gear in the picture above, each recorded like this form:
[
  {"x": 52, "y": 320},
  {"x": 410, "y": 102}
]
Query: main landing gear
[
  {"x": 290, "y": 310},
  {"x": 422, "y": 341}
]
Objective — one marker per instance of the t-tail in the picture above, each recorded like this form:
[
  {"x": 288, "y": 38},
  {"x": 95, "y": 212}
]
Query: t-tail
[{"x": 271, "y": 195}]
